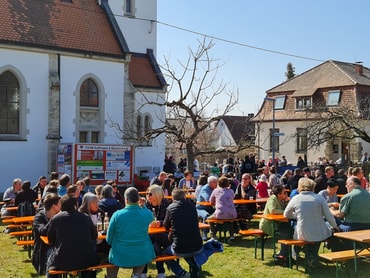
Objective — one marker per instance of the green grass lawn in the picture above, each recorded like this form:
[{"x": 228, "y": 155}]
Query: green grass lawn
[{"x": 237, "y": 261}]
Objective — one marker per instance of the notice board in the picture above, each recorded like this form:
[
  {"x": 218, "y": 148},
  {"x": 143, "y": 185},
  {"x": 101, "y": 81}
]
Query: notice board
[{"x": 100, "y": 162}]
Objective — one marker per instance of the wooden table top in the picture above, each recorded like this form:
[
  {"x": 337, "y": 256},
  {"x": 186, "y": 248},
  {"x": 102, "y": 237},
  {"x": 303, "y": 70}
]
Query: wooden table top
[
  {"x": 359, "y": 236},
  {"x": 23, "y": 219},
  {"x": 151, "y": 231},
  {"x": 273, "y": 217},
  {"x": 238, "y": 202}
]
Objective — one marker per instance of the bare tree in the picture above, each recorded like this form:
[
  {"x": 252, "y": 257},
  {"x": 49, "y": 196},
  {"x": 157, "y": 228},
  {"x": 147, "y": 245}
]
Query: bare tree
[{"x": 195, "y": 100}]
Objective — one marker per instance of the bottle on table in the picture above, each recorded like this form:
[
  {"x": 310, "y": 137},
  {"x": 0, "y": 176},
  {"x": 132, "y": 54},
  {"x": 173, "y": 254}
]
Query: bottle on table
[
  {"x": 106, "y": 221},
  {"x": 99, "y": 224}
]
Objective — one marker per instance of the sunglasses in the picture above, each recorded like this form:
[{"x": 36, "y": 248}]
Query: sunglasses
[{"x": 149, "y": 194}]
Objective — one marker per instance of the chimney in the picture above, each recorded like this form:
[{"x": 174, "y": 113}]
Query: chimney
[{"x": 359, "y": 68}]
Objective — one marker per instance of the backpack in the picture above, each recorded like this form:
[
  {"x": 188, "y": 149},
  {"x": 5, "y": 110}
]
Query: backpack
[{"x": 25, "y": 209}]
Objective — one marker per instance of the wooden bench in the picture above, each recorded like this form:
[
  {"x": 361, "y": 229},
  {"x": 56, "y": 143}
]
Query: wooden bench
[
  {"x": 28, "y": 244},
  {"x": 295, "y": 242},
  {"x": 343, "y": 256},
  {"x": 75, "y": 273},
  {"x": 256, "y": 233},
  {"x": 21, "y": 233},
  {"x": 163, "y": 258}
]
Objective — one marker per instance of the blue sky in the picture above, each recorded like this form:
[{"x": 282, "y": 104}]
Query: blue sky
[{"x": 321, "y": 30}]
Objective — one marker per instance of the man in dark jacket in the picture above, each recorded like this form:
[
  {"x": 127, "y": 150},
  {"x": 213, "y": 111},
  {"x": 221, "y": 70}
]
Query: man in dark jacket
[
  {"x": 40, "y": 227},
  {"x": 182, "y": 217},
  {"x": 73, "y": 237}
]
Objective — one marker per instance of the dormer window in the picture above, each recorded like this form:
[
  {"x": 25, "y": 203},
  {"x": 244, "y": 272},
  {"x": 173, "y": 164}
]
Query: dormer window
[
  {"x": 279, "y": 102},
  {"x": 333, "y": 98},
  {"x": 302, "y": 103}
]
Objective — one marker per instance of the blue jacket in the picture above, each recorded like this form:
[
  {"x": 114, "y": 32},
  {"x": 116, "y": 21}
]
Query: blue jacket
[
  {"x": 210, "y": 247},
  {"x": 128, "y": 236}
]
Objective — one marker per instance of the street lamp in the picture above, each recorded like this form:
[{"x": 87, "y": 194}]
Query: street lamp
[{"x": 273, "y": 127}]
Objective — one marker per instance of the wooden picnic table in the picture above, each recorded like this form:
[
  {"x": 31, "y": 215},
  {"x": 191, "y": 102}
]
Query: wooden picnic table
[
  {"x": 23, "y": 219},
  {"x": 361, "y": 236},
  {"x": 274, "y": 218}
]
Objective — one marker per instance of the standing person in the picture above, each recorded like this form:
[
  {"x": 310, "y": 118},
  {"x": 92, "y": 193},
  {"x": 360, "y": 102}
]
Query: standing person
[
  {"x": 169, "y": 165},
  {"x": 182, "y": 222},
  {"x": 276, "y": 204},
  {"x": 40, "y": 228},
  {"x": 309, "y": 210},
  {"x": 222, "y": 198},
  {"x": 128, "y": 235},
  {"x": 73, "y": 247},
  {"x": 9, "y": 197}
]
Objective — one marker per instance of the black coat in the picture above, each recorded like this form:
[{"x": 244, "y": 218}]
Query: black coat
[
  {"x": 73, "y": 236},
  {"x": 40, "y": 228},
  {"x": 182, "y": 217}
]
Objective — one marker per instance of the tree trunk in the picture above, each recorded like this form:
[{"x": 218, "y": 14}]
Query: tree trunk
[{"x": 191, "y": 156}]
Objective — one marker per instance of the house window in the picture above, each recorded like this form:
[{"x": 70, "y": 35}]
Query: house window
[
  {"x": 89, "y": 94},
  {"x": 333, "y": 98},
  {"x": 301, "y": 140},
  {"x": 279, "y": 102},
  {"x": 148, "y": 127},
  {"x": 139, "y": 126},
  {"x": 274, "y": 140},
  {"x": 303, "y": 103},
  {"x": 90, "y": 124},
  {"x": 129, "y": 8}
]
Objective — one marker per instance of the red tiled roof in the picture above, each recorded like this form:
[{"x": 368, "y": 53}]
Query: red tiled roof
[
  {"x": 142, "y": 72},
  {"x": 80, "y": 26}
]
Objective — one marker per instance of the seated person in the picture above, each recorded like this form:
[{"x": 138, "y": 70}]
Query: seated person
[
  {"x": 276, "y": 204},
  {"x": 330, "y": 193},
  {"x": 354, "y": 209},
  {"x": 128, "y": 235},
  {"x": 26, "y": 194},
  {"x": 73, "y": 239},
  {"x": 9, "y": 197},
  {"x": 40, "y": 228},
  {"x": 245, "y": 190},
  {"x": 222, "y": 198},
  {"x": 187, "y": 182},
  {"x": 310, "y": 210},
  {"x": 182, "y": 222},
  {"x": 109, "y": 204}
]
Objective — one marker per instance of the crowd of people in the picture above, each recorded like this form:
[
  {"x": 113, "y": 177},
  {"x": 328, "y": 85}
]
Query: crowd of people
[{"x": 70, "y": 215}]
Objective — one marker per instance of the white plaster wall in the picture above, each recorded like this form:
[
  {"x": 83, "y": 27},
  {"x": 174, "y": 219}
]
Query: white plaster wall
[
  {"x": 287, "y": 142},
  {"x": 27, "y": 159},
  {"x": 139, "y": 34},
  {"x": 151, "y": 156},
  {"x": 111, "y": 76}
]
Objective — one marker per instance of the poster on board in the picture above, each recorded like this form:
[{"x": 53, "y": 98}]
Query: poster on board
[{"x": 100, "y": 162}]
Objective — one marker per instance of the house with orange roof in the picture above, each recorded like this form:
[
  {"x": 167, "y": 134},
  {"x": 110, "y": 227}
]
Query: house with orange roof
[
  {"x": 295, "y": 106},
  {"x": 72, "y": 72}
]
